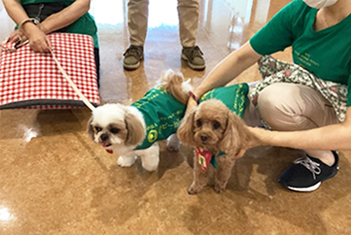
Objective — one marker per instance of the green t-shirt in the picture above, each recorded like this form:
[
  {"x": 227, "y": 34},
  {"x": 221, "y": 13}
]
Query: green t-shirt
[
  {"x": 84, "y": 25},
  {"x": 325, "y": 53}
]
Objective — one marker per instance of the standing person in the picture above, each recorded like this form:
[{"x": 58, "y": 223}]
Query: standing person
[
  {"x": 69, "y": 16},
  {"x": 307, "y": 104},
  {"x": 188, "y": 13}
]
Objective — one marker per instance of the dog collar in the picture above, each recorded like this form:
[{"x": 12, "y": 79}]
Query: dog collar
[
  {"x": 192, "y": 95},
  {"x": 109, "y": 151},
  {"x": 205, "y": 158}
]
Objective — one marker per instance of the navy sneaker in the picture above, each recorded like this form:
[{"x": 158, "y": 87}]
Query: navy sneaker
[{"x": 307, "y": 173}]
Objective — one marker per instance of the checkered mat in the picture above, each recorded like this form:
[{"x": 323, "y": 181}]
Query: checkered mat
[{"x": 33, "y": 80}]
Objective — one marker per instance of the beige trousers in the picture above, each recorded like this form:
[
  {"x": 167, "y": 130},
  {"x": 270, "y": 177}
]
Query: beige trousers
[
  {"x": 289, "y": 107},
  {"x": 188, "y": 14}
]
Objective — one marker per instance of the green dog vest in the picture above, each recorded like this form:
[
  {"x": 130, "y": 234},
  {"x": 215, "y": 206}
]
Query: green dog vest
[{"x": 162, "y": 112}]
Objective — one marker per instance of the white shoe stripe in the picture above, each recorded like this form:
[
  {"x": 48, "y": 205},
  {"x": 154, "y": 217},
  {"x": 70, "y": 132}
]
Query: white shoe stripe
[{"x": 308, "y": 189}]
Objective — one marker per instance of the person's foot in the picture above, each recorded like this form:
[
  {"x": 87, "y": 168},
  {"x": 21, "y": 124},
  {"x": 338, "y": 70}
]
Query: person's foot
[
  {"x": 194, "y": 57},
  {"x": 307, "y": 173},
  {"x": 132, "y": 57}
]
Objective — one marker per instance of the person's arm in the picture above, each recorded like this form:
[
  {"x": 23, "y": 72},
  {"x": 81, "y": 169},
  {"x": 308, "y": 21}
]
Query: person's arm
[
  {"x": 38, "y": 41},
  {"x": 224, "y": 72},
  {"x": 65, "y": 17},
  {"x": 335, "y": 137}
]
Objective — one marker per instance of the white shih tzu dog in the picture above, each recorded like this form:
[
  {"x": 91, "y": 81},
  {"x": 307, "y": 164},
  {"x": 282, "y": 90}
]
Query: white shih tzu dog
[{"x": 134, "y": 130}]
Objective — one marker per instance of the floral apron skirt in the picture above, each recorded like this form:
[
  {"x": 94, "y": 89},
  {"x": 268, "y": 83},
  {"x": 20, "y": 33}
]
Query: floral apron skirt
[{"x": 276, "y": 71}]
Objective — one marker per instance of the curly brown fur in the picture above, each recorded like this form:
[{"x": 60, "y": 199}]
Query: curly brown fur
[{"x": 214, "y": 128}]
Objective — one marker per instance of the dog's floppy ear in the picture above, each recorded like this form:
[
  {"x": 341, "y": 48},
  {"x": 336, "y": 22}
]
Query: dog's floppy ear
[
  {"x": 235, "y": 134},
  {"x": 90, "y": 129},
  {"x": 136, "y": 132},
  {"x": 185, "y": 131}
]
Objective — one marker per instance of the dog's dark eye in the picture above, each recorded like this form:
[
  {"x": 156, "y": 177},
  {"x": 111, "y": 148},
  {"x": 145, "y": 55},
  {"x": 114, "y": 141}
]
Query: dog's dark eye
[
  {"x": 97, "y": 129},
  {"x": 114, "y": 130},
  {"x": 199, "y": 123},
  {"x": 216, "y": 125}
]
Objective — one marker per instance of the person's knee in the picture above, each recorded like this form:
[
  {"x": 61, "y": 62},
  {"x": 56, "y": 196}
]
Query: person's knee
[{"x": 278, "y": 107}]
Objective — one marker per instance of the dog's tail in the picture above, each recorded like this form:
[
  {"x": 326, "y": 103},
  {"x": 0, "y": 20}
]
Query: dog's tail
[{"x": 173, "y": 82}]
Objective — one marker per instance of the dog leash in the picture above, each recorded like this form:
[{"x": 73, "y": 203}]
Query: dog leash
[
  {"x": 19, "y": 43},
  {"x": 72, "y": 84}
]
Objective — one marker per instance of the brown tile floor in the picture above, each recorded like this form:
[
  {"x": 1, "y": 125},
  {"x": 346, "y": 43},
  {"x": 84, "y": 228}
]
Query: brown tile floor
[{"x": 54, "y": 180}]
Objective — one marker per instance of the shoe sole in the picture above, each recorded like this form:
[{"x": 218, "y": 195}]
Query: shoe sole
[
  {"x": 131, "y": 67},
  {"x": 195, "y": 67},
  {"x": 313, "y": 187},
  {"x": 308, "y": 189}
]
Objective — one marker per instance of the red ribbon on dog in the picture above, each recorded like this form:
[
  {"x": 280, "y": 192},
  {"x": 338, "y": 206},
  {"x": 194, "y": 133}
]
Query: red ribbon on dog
[{"x": 203, "y": 157}]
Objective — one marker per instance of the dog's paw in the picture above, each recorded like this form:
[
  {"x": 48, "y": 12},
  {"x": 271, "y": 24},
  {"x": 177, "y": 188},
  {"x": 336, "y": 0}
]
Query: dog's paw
[
  {"x": 194, "y": 189},
  {"x": 173, "y": 143},
  {"x": 172, "y": 148},
  {"x": 218, "y": 188},
  {"x": 150, "y": 160},
  {"x": 150, "y": 167},
  {"x": 125, "y": 161}
]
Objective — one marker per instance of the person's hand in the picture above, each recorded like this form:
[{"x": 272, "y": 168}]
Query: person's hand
[
  {"x": 192, "y": 104},
  {"x": 38, "y": 41},
  {"x": 262, "y": 136},
  {"x": 14, "y": 37},
  {"x": 254, "y": 141}
]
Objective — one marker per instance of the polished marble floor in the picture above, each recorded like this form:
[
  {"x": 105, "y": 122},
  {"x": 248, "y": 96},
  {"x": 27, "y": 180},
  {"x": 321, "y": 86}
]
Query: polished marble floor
[{"x": 54, "y": 180}]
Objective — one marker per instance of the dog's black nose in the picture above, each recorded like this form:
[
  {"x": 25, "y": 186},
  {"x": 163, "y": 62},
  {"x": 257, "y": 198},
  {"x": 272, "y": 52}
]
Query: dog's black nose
[
  {"x": 204, "y": 137},
  {"x": 104, "y": 137}
]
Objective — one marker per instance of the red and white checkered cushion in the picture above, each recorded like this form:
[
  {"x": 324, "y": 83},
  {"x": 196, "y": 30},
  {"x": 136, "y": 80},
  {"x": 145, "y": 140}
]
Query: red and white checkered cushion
[{"x": 33, "y": 80}]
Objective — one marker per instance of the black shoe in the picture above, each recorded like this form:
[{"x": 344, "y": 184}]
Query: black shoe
[
  {"x": 194, "y": 57},
  {"x": 308, "y": 173},
  {"x": 132, "y": 57}
]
